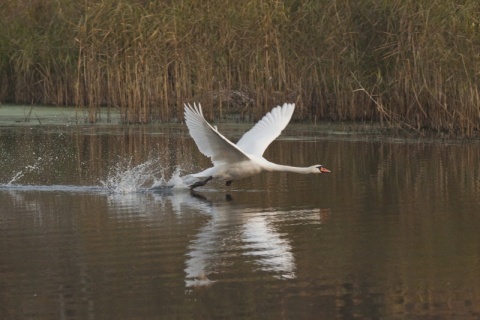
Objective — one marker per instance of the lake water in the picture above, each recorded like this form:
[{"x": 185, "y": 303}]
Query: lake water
[{"x": 392, "y": 233}]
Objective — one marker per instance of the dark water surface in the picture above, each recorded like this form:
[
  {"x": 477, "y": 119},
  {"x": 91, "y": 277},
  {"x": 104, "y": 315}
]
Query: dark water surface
[{"x": 392, "y": 233}]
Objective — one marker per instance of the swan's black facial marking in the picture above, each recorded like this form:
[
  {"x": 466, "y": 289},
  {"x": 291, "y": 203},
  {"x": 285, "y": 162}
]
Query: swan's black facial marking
[{"x": 322, "y": 169}]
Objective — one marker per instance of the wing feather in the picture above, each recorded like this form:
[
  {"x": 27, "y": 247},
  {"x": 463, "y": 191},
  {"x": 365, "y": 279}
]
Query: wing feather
[
  {"x": 209, "y": 141},
  {"x": 256, "y": 140}
]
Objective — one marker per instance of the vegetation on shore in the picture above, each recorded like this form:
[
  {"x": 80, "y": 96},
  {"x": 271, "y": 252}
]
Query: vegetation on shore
[{"x": 413, "y": 63}]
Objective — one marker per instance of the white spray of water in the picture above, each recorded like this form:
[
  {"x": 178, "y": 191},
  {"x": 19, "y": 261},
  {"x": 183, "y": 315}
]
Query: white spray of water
[
  {"x": 176, "y": 181},
  {"x": 125, "y": 178},
  {"x": 21, "y": 173},
  {"x": 16, "y": 177}
]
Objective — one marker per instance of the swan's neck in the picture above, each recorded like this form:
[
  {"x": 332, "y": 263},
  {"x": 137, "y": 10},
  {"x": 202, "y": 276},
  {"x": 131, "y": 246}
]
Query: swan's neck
[{"x": 279, "y": 167}]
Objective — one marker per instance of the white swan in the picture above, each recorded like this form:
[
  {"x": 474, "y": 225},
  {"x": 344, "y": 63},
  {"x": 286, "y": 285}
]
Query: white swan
[{"x": 236, "y": 161}]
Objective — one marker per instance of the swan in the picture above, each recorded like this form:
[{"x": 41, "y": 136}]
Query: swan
[{"x": 244, "y": 159}]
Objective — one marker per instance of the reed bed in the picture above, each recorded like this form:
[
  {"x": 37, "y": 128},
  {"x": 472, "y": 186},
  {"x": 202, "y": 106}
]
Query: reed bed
[{"x": 408, "y": 63}]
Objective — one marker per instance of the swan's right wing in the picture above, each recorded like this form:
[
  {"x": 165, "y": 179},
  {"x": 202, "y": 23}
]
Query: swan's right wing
[
  {"x": 266, "y": 130},
  {"x": 209, "y": 141}
]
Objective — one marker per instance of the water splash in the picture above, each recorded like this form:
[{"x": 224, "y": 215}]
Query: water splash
[
  {"x": 150, "y": 175},
  {"x": 122, "y": 178},
  {"x": 15, "y": 178},
  {"x": 28, "y": 169},
  {"x": 176, "y": 181}
]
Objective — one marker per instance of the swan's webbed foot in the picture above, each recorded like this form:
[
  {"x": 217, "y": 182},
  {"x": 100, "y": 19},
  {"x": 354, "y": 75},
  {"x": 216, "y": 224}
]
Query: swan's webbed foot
[
  {"x": 200, "y": 183},
  {"x": 228, "y": 183}
]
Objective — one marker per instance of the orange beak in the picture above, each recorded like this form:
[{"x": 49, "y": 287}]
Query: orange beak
[{"x": 324, "y": 170}]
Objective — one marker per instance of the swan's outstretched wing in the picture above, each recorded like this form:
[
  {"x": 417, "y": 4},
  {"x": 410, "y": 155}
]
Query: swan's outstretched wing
[
  {"x": 209, "y": 141},
  {"x": 266, "y": 130}
]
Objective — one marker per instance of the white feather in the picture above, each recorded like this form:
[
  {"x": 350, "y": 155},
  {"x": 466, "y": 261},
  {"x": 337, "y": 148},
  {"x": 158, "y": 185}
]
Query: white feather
[
  {"x": 209, "y": 141},
  {"x": 257, "y": 140}
]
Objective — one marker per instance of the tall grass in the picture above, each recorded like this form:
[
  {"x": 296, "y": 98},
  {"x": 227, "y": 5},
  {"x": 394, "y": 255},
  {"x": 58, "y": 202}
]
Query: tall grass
[{"x": 413, "y": 63}]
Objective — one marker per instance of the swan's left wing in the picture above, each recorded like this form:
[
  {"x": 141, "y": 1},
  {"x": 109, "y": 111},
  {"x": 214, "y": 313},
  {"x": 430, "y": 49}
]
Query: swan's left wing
[
  {"x": 209, "y": 141},
  {"x": 266, "y": 130}
]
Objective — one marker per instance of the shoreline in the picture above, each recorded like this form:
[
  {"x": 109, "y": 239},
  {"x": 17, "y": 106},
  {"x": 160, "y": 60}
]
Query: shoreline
[{"x": 60, "y": 116}]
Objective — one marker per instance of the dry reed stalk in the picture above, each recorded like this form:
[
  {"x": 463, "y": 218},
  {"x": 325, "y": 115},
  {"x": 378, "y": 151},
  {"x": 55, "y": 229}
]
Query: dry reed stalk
[{"x": 419, "y": 59}]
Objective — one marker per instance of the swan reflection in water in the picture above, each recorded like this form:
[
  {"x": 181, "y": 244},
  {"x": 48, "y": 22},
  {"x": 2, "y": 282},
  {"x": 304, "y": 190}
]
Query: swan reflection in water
[
  {"x": 235, "y": 234},
  {"x": 234, "y": 237}
]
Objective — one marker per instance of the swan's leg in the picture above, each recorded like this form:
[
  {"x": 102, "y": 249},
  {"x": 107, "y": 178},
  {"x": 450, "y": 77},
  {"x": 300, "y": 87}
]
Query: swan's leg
[
  {"x": 200, "y": 183},
  {"x": 228, "y": 183}
]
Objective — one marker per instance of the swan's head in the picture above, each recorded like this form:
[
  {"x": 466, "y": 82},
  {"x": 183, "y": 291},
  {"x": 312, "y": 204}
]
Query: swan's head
[{"x": 318, "y": 168}]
